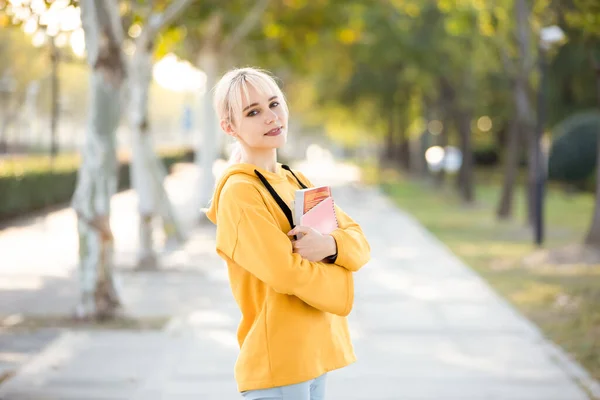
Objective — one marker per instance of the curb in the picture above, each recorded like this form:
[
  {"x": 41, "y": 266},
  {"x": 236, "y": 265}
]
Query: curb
[{"x": 572, "y": 368}]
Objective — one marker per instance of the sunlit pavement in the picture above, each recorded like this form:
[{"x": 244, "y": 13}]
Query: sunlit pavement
[{"x": 424, "y": 325}]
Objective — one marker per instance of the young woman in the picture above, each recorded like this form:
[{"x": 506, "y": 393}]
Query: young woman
[{"x": 294, "y": 295}]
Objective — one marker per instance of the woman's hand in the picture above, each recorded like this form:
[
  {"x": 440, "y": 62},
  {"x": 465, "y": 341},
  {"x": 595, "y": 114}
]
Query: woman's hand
[{"x": 313, "y": 245}]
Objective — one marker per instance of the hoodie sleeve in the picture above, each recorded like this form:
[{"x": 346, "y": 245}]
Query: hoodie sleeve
[
  {"x": 249, "y": 235},
  {"x": 353, "y": 249}
]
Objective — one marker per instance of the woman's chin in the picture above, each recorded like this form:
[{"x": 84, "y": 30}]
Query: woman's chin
[{"x": 276, "y": 141}]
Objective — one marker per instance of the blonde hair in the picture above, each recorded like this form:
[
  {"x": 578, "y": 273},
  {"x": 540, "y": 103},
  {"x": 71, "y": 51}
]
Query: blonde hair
[{"x": 227, "y": 97}]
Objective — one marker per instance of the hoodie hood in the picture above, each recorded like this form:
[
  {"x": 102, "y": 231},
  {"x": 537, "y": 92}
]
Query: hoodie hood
[{"x": 240, "y": 168}]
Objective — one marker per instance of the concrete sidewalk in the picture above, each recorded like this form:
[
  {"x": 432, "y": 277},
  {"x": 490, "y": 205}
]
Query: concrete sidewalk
[{"x": 424, "y": 327}]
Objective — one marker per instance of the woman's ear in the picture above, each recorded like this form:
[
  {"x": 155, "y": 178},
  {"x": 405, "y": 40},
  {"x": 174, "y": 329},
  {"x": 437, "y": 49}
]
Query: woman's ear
[{"x": 227, "y": 128}]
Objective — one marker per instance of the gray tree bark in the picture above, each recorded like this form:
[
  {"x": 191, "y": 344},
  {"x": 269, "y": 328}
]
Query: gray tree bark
[
  {"x": 208, "y": 151},
  {"x": 440, "y": 177},
  {"x": 55, "y": 93},
  {"x": 446, "y": 101},
  {"x": 97, "y": 178},
  {"x": 147, "y": 171},
  {"x": 593, "y": 236},
  {"x": 210, "y": 59},
  {"x": 511, "y": 168},
  {"x": 465, "y": 176},
  {"x": 390, "y": 145},
  {"x": 525, "y": 114}
]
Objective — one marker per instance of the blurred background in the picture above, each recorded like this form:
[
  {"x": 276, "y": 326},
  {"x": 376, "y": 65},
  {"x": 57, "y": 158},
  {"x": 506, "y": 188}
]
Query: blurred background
[{"x": 480, "y": 119}]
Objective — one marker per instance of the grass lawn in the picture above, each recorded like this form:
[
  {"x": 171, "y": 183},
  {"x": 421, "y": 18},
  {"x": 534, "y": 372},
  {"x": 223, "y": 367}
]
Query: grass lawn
[{"x": 563, "y": 300}]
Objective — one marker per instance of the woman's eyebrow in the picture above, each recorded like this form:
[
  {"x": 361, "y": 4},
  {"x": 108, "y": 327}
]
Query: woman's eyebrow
[{"x": 255, "y": 104}]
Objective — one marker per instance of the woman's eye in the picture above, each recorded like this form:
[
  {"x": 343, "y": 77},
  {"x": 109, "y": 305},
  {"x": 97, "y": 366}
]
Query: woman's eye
[{"x": 254, "y": 112}]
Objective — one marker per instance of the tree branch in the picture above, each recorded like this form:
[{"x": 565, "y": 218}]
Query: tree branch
[
  {"x": 211, "y": 35},
  {"x": 103, "y": 37},
  {"x": 144, "y": 11},
  {"x": 528, "y": 62},
  {"x": 112, "y": 23},
  {"x": 509, "y": 67},
  {"x": 157, "y": 21},
  {"x": 247, "y": 24},
  {"x": 96, "y": 21},
  {"x": 530, "y": 65}
]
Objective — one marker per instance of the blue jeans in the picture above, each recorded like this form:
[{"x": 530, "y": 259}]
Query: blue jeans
[{"x": 309, "y": 390}]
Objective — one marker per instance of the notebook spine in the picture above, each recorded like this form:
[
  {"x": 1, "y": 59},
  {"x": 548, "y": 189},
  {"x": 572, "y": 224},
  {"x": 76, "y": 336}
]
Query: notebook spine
[{"x": 337, "y": 223}]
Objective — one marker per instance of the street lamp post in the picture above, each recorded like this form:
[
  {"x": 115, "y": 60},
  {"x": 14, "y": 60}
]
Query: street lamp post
[
  {"x": 549, "y": 36},
  {"x": 539, "y": 166}
]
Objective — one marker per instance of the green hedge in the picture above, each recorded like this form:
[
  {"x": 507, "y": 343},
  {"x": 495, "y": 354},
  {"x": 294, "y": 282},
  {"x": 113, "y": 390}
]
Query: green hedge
[
  {"x": 486, "y": 156},
  {"x": 572, "y": 156},
  {"x": 29, "y": 183}
]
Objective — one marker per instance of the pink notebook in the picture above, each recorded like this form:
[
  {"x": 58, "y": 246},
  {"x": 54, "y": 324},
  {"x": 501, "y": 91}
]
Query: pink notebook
[{"x": 321, "y": 217}]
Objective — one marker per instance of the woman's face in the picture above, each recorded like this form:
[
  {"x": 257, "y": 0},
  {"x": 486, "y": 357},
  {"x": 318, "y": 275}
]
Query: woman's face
[{"x": 263, "y": 122}]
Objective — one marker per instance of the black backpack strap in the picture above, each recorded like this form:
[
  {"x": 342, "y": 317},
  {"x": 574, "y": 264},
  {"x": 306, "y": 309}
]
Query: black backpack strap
[
  {"x": 302, "y": 185},
  {"x": 284, "y": 207}
]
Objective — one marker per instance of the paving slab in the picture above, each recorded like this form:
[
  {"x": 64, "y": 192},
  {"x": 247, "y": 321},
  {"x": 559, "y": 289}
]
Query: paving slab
[{"x": 425, "y": 327}]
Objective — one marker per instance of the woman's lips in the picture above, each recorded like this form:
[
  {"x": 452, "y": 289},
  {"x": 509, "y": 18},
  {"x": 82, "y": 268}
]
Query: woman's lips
[{"x": 274, "y": 132}]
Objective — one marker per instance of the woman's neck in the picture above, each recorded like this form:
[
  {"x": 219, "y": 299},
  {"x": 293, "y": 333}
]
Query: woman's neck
[{"x": 266, "y": 160}]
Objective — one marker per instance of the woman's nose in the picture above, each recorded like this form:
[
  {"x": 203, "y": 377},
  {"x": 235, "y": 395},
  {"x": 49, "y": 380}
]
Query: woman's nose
[{"x": 271, "y": 117}]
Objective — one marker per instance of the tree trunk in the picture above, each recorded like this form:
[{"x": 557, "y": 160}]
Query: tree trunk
[
  {"x": 208, "y": 62},
  {"x": 447, "y": 102},
  {"x": 523, "y": 103},
  {"x": 404, "y": 153},
  {"x": 440, "y": 176},
  {"x": 147, "y": 171},
  {"x": 11, "y": 109},
  {"x": 531, "y": 175},
  {"x": 30, "y": 101},
  {"x": 4, "y": 126},
  {"x": 390, "y": 152},
  {"x": 511, "y": 168},
  {"x": 55, "y": 95},
  {"x": 415, "y": 150},
  {"x": 526, "y": 129},
  {"x": 593, "y": 236},
  {"x": 401, "y": 145},
  {"x": 97, "y": 177},
  {"x": 465, "y": 176}
]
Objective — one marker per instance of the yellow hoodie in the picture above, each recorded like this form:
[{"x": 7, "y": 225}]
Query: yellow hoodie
[{"x": 293, "y": 325}]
